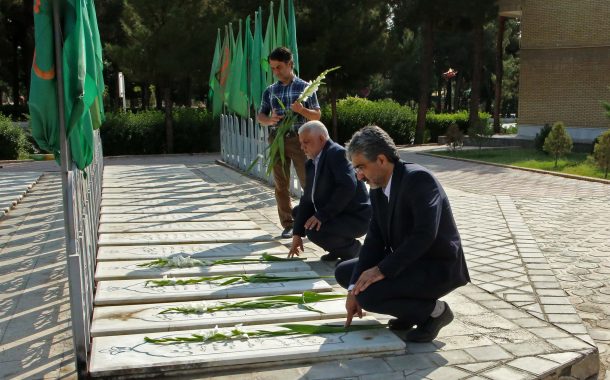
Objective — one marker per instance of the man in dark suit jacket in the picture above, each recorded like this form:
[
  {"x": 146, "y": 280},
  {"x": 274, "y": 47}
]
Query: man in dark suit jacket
[
  {"x": 412, "y": 254},
  {"x": 335, "y": 208}
]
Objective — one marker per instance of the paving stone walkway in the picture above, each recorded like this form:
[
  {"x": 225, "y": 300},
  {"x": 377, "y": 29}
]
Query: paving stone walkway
[
  {"x": 13, "y": 187},
  {"x": 538, "y": 248}
]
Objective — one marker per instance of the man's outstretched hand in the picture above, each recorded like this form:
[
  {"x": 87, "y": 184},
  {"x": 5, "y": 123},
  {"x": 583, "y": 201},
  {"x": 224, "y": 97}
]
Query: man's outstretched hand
[
  {"x": 313, "y": 223},
  {"x": 353, "y": 308},
  {"x": 366, "y": 279},
  {"x": 297, "y": 246}
]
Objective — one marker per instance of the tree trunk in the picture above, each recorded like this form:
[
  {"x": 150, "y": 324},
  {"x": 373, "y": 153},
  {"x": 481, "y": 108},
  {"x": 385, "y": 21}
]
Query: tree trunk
[
  {"x": 159, "y": 96},
  {"x": 27, "y": 44},
  {"x": 15, "y": 70},
  {"x": 477, "y": 67},
  {"x": 424, "y": 84},
  {"x": 333, "y": 106},
  {"x": 448, "y": 106},
  {"x": 169, "y": 122},
  {"x": 499, "y": 73},
  {"x": 145, "y": 96}
]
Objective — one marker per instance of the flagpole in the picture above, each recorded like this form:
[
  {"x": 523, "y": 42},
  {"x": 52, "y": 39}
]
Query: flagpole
[{"x": 79, "y": 335}]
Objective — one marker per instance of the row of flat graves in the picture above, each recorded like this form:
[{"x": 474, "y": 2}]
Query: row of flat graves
[
  {"x": 162, "y": 212},
  {"x": 13, "y": 187}
]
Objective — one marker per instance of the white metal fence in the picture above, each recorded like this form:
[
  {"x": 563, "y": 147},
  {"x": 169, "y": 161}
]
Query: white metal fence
[
  {"x": 82, "y": 200},
  {"x": 242, "y": 141}
]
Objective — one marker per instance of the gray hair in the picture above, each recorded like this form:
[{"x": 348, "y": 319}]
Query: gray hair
[
  {"x": 316, "y": 127},
  {"x": 371, "y": 141}
]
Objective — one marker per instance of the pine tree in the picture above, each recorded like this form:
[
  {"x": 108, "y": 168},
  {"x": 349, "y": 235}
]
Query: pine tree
[
  {"x": 558, "y": 142},
  {"x": 601, "y": 152}
]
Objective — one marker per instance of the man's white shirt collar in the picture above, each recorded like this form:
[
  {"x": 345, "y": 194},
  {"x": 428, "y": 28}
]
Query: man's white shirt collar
[{"x": 386, "y": 189}]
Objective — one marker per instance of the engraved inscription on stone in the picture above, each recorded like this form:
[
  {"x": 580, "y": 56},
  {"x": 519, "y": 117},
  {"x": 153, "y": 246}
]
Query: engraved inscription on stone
[
  {"x": 131, "y": 270},
  {"x": 182, "y": 237},
  {"x": 139, "y": 252}
]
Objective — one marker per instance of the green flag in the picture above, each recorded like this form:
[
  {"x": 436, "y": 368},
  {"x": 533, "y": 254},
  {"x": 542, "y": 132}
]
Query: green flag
[
  {"x": 281, "y": 38},
  {"x": 222, "y": 74},
  {"x": 268, "y": 45},
  {"x": 44, "y": 116},
  {"x": 229, "y": 77},
  {"x": 248, "y": 46},
  {"x": 292, "y": 35},
  {"x": 214, "y": 82},
  {"x": 256, "y": 73},
  {"x": 97, "y": 108},
  {"x": 82, "y": 74},
  {"x": 238, "y": 85}
]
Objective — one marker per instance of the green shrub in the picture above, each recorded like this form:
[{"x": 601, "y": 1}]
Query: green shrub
[
  {"x": 355, "y": 113},
  {"x": 15, "y": 112},
  {"x": 195, "y": 131},
  {"x": 127, "y": 133},
  {"x": 399, "y": 121},
  {"x": 438, "y": 124},
  {"x": 601, "y": 153},
  {"x": 541, "y": 136},
  {"x": 455, "y": 137},
  {"x": 13, "y": 140},
  {"x": 558, "y": 142},
  {"x": 480, "y": 133}
]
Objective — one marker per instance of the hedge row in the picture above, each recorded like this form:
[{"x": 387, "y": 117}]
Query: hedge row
[
  {"x": 125, "y": 133},
  {"x": 399, "y": 121},
  {"x": 14, "y": 142}
]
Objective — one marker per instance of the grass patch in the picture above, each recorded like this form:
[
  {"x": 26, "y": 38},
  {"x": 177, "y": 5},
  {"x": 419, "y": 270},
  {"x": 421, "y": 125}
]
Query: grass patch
[{"x": 573, "y": 163}]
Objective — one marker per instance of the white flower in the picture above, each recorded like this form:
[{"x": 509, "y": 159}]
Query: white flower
[{"x": 198, "y": 307}]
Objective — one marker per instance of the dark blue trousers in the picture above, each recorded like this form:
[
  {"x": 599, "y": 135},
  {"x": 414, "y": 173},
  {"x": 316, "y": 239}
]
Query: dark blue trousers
[{"x": 338, "y": 235}]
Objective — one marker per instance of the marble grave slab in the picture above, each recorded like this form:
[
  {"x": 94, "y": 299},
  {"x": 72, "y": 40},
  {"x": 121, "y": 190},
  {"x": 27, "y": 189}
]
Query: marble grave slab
[
  {"x": 217, "y": 199},
  {"x": 125, "y": 292},
  {"x": 123, "y": 270},
  {"x": 178, "y": 226},
  {"x": 130, "y": 354},
  {"x": 151, "y": 252},
  {"x": 134, "y": 319},
  {"x": 152, "y": 183},
  {"x": 168, "y": 209},
  {"x": 174, "y": 217},
  {"x": 136, "y": 191},
  {"x": 208, "y": 193},
  {"x": 182, "y": 237}
]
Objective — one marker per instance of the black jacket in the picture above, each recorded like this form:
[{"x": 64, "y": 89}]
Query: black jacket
[
  {"x": 337, "y": 189},
  {"x": 415, "y": 233}
]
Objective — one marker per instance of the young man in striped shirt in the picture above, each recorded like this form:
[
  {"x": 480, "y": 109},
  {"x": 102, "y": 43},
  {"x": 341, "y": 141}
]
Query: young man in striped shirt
[{"x": 287, "y": 89}]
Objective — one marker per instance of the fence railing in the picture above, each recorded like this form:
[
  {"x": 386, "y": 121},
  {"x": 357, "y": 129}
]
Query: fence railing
[
  {"x": 82, "y": 201},
  {"x": 242, "y": 141}
]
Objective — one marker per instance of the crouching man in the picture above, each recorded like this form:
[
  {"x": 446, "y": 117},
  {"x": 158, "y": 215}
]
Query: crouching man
[
  {"x": 335, "y": 208},
  {"x": 412, "y": 254}
]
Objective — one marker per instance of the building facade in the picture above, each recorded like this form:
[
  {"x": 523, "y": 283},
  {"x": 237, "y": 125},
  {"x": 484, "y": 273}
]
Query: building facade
[{"x": 565, "y": 64}]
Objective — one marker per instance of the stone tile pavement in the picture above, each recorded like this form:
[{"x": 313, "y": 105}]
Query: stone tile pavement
[{"x": 531, "y": 240}]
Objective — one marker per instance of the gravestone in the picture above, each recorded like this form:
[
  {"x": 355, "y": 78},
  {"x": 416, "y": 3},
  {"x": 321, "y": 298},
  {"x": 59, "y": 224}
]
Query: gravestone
[
  {"x": 148, "y": 252},
  {"x": 129, "y": 355},
  {"x": 134, "y": 319},
  {"x": 127, "y": 292}
]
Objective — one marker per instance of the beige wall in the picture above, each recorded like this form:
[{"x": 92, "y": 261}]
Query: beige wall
[
  {"x": 565, "y": 23},
  {"x": 565, "y": 62}
]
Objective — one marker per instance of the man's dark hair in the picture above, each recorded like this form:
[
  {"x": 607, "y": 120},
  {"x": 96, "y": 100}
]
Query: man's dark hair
[
  {"x": 371, "y": 141},
  {"x": 281, "y": 54}
]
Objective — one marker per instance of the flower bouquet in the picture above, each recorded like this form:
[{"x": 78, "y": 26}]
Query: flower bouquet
[{"x": 276, "y": 148}]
